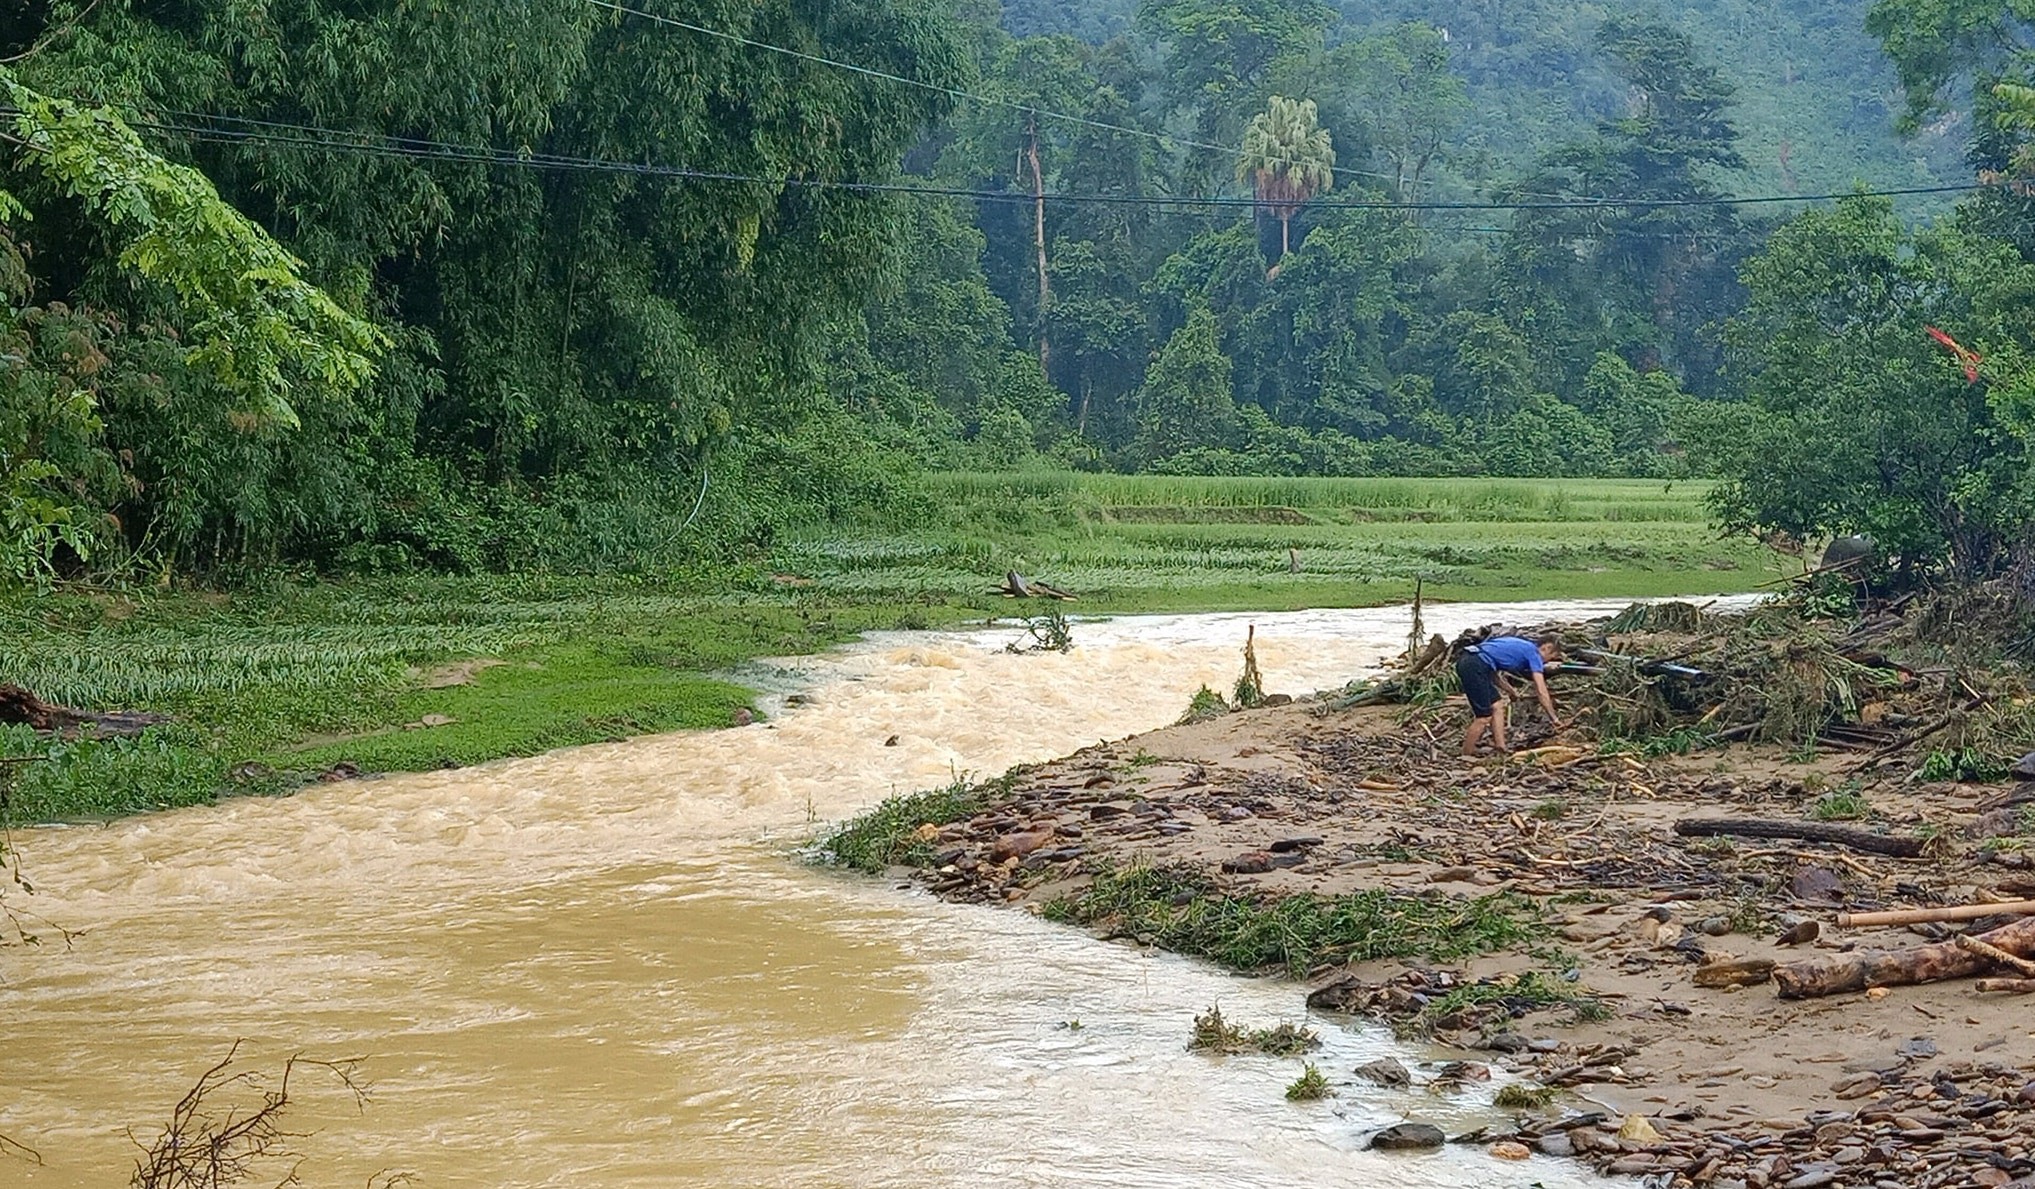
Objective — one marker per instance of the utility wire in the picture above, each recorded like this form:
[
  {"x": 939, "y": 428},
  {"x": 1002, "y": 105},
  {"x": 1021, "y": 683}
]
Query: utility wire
[
  {"x": 323, "y": 139},
  {"x": 956, "y": 93},
  {"x": 1089, "y": 122}
]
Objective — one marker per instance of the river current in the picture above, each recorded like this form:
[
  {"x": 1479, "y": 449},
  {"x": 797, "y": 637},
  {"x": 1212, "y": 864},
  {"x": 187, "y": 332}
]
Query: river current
[{"x": 603, "y": 968}]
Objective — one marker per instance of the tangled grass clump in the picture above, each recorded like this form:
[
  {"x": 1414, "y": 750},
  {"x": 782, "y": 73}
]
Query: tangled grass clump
[
  {"x": 890, "y": 835},
  {"x": 1179, "y": 908}
]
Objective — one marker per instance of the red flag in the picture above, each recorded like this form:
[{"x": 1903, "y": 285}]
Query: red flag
[{"x": 1965, "y": 355}]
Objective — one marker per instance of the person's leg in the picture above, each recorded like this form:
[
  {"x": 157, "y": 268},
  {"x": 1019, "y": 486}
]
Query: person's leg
[
  {"x": 1474, "y": 676},
  {"x": 1498, "y": 726}
]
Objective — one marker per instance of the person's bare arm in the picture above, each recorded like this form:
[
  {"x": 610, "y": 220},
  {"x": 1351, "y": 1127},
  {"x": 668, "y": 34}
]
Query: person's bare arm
[{"x": 1547, "y": 699}]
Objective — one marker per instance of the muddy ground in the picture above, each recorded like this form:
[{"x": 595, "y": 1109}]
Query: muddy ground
[{"x": 1911, "y": 1086}]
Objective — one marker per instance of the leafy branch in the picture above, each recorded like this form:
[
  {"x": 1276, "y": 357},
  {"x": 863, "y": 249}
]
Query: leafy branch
[{"x": 257, "y": 325}]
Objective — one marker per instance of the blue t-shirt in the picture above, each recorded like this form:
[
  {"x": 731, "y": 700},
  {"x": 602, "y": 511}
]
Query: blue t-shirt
[{"x": 1510, "y": 654}]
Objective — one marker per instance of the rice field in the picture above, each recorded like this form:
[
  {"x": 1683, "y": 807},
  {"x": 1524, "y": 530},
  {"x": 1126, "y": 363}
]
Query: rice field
[
  {"x": 1134, "y": 542},
  {"x": 1336, "y": 500}
]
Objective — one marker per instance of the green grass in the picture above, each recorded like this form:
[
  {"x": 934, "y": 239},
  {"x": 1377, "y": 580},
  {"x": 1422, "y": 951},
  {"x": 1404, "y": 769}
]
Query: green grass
[
  {"x": 270, "y": 686},
  {"x": 1505, "y": 998},
  {"x": 1179, "y": 909},
  {"x": 886, "y": 836},
  {"x": 1160, "y": 543},
  {"x": 1844, "y": 805},
  {"x": 1310, "y": 1086}
]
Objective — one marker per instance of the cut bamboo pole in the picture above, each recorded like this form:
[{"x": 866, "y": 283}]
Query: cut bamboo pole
[{"x": 1918, "y": 916}]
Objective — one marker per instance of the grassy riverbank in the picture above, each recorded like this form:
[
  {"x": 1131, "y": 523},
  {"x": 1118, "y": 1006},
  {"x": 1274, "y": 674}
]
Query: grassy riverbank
[{"x": 272, "y": 686}]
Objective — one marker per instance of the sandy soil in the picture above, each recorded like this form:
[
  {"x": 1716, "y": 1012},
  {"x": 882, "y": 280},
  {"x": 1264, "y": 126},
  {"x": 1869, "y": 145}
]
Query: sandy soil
[{"x": 1375, "y": 798}]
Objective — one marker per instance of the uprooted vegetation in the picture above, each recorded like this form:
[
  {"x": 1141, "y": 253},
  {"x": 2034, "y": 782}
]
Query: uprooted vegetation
[
  {"x": 1935, "y": 678},
  {"x": 1181, "y": 908},
  {"x": 1213, "y": 1033}
]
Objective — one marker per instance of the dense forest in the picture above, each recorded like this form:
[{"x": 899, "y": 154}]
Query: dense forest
[{"x": 580, "y": 284}]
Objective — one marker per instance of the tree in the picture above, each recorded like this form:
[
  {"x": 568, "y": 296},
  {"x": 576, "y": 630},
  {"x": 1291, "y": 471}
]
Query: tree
[
  {"x": 1862, "y": 422},
  {"x": 1409, "y": 98},
  {"x": 1937, "y": 45},
  {"x": 1012, "y": 140},
  {"x": 237, "y": 319},
  {"x": 1289, "y": 159},
  {"x": 1186, "y": 401},
  {"x": 1646, "y": 279},
  {"x": 257, "y": 325},
  {"x": 553, "y": 329},
  {"x": 1219, "y": 54}
]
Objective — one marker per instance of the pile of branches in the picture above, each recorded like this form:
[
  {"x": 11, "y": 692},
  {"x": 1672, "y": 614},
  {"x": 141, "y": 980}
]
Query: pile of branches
[{"x": 1681, "y": 675}]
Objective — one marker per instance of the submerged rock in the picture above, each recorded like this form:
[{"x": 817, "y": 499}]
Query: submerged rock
[
  {"x": 1408, "y": 1137},
  {"x": 1385, "y": 1072}
]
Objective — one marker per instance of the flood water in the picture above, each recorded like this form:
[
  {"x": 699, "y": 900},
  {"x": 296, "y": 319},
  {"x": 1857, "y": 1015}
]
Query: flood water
[{"x": 602, "y": 967}]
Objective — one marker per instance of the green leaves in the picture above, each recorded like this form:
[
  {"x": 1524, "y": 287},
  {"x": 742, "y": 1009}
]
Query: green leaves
[
  {"x": 255, "y": 324},
  {"x": 1865, "y": 424}
]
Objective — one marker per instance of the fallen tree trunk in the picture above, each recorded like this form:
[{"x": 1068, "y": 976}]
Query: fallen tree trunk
[
  {"x": 1863, "y": 840},
  {"x": 1839, "y": 974},
  {"x": 2011, "y": 986},
  {"x": 18, "y": 705},
  {"x": 1016, "y": 586}
]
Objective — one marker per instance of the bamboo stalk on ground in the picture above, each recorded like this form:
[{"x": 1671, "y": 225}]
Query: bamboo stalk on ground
[{"x": 1919, "y": 916}]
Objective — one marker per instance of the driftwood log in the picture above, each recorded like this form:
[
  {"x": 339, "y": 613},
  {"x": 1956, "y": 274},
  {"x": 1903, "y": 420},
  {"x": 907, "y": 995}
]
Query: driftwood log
[
  {"x": 1861, "y": 840},
  {"x": 17, "y": 705},
  {"x": 1839, "y": 974},
  {"x": 1015, "y": 586}
]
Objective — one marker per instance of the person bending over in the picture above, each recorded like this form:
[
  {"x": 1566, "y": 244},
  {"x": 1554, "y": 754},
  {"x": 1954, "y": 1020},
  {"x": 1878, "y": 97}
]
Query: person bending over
[{"x": 1486, "y": 671}]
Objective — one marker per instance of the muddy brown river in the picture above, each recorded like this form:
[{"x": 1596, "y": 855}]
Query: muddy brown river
[{"x": 603, "y": 967}]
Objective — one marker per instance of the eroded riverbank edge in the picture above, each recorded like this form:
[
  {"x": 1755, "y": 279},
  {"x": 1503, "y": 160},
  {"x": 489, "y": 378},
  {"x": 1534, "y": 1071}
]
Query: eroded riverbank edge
[{"x": 1563, "y": 923}]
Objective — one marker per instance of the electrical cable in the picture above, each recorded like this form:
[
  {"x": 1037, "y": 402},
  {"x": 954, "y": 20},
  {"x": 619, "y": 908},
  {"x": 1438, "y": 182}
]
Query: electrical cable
[{"x": 310, "y": 136}]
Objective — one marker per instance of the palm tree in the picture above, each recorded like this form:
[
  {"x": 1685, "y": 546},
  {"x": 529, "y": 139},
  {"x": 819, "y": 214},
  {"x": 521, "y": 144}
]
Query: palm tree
[{"x": 1290, "y": 158}]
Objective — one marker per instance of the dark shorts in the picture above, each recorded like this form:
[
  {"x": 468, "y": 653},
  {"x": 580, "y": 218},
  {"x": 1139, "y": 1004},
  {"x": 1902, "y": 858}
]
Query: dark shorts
[{"x": 1480, "y": 684}]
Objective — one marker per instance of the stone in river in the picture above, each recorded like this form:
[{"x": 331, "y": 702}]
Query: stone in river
[
  {"x": 1014, "y": 846},
  {"x": 1408, "y": 1137},
  {"x": 1556, "y": 1143},
  {"x": 1385, "y": 1072}
]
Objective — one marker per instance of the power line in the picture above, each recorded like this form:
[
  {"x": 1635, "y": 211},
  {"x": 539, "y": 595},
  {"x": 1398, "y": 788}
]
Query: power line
[
  {"x": 313, "y": 137},
  {"x": 256, "y": 131},
  {"x": 1130, "y": 130},
  {"x": 956, "y": 93}
]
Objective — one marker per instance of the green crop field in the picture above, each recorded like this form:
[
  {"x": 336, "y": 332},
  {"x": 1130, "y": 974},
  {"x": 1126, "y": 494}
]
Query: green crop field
[
  {"x": 1137, "y": 542},
  {"x": 268, "y": 687}
]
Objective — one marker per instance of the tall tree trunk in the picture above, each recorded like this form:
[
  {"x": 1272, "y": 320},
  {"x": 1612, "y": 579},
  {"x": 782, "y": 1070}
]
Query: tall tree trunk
[
  {"x": 1087, "y": 391},
  {"x": 1039, "y": 241},
  {"x": 1285, "y": 235}
]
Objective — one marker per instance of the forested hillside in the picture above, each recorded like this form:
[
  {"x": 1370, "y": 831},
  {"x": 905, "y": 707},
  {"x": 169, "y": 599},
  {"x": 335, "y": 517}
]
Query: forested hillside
[
  {"x": 585, "y": 285},
  {"x": 1817, "y": 99}
]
